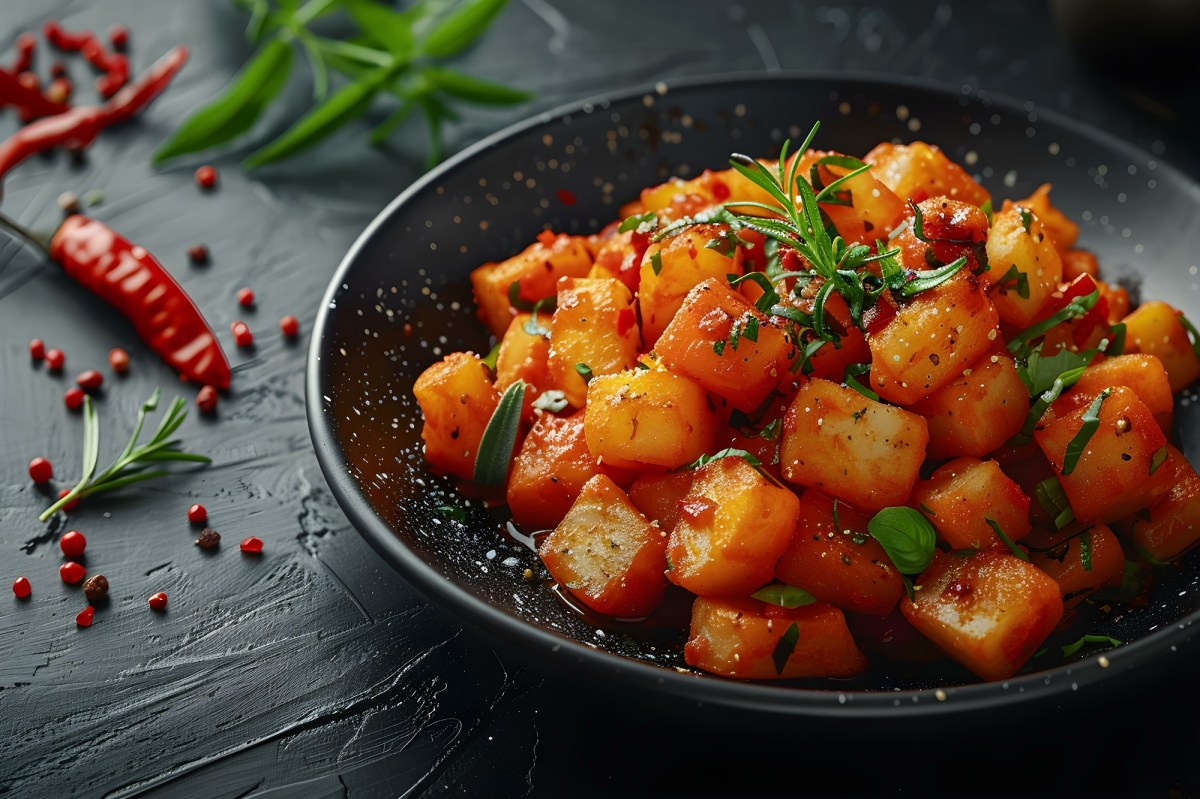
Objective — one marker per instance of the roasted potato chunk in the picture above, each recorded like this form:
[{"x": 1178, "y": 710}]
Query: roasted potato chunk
[
  {"x": 536, "y": 271},
  {"x": 457, "y": 399},
  {"x": 919, "y": 170},
  {"x": 978, "y": 411},
  {"x": 674, "y": 266},
  {"x": 960, "y": 497},
  {"x": 594, "y": 325}
]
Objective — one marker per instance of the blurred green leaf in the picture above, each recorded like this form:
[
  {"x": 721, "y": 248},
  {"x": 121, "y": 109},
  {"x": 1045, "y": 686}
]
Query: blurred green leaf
[
  {"x": 383, "y": 26},
  {"x": 476, "y": 90},
  {"x": 460, "y": 28}
]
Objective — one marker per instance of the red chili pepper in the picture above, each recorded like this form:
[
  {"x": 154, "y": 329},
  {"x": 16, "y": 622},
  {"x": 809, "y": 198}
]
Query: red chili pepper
[
  {"x": 77, "y": 127},
  {"x": 116, "y": 76},
  {"x": 25, "y": 44},
  {"x": 133, "y": 281},
  {"x": 62, "y": 39},
  {"x": 29, "y": 100}
]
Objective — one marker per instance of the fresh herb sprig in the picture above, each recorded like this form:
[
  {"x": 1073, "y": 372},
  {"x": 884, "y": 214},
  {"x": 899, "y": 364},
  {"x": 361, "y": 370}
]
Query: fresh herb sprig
[
  {"x": 137, "y": 462},
  {"x": 397, "y": 53}
]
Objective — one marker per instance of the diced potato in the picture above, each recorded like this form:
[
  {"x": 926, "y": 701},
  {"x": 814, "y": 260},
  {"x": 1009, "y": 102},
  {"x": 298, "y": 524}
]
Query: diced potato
[
  {"x": 954, "y": 230},
  {"x": 1080, "y": 561},
  {"x": 536, "y": 271},
  {"x": 674, "y": 266},
  {"x": 1144, "y": 374},
  {"x": 1174, "y": 524},
  {"x": 523, "y": 356},
  {"x": 977, "y": 411},
  {"x": 963, "y": 494},
  {"x": 989, "y": 611},
  {"x": 1062, "y": 231},
  {"x": 1030, "y": 250},
  {"x": 550, "y": 469},
  {"x": 732, "y": 527},
  {"x": 742, "y": 638},
  {"x": 1154, "y": 329},
  {"x": 830, "y": 362},
  {"x": 659, "y": 495},
  {"x": 726, "y": 345},
  {"x": 839, "y": 563},
  {"x": 606, "y": 553},
  {"x": 851, "y": 447},
  {"x": 594, "y": 324},
  {"x": 874, "y": 209},
  {"x": 1112, "y": 477},
  {"x": 1079, "y": 262},
  {"x": 642, "y": 419},
  {"x": 919, "y": 170},
  {"x": 457, "y": 399},
  {"x": 677, "y": 198},
  {"x": 931, "y": 340}
]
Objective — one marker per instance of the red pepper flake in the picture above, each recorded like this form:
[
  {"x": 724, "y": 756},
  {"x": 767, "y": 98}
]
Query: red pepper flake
[
  {"x": 206, "y": 177},
  {"x": 71, "y": 572},
  {"x": 85, "y": 617},
  {"x": 62, "y": 39},
  {"x": 41, "y": 470},
  {"x": 119, "y": 36},
  {"x": 26, "y": 42},
  {"x": 55, "y": 358},
  {"x": 206, "y": 399},
  {"x": 22, "y": 588},
  {"x": 118, "y": 359},
  {"x": 72, "y": 543},
  {"x": 197, "y": 514},
  {"x": 198, "y": 254},
  {"x": 73, "y": 398},
  {"x": 565, "y": 197},
  {"x": 95, "y": 53},
  {"x": 625, "y": 320},
  {"x": 241, "y": 334},
  {"x": 37, "y": 349},
  {"x": 245, "y": 297},
  {"x": 70, "y": 504},
  {"x": 29, "y": 81},
  {"x": 289, "y": 326},
  {"x": 252, "y": 545},
  {"x": 90, "y": 380},
  {"x": 547, "y": 238},
  {"x": 115, "y": 77},
  {"x": 719, "y": 190},
  {"x": 158, "y": 601}
]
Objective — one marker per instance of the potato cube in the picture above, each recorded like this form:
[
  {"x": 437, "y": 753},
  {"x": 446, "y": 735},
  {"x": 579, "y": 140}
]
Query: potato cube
[
  {"x": 851, "y": 447},
  {"x": 978, "y": 411},
  {"x": 536, "y": 271},
  {"x": 1112, "y": 477},
  {"x": 457, "y": 399},
  {"x": 732, "y": 527},
  {"x": 931, "y": 340},
  {"x": 1144, "y": 374},
  {"x": 1154, "y": 329},
  {"x": 674, "y": 266},
  {"x": 1174, "y": 524},
  {"x": 839, "y": 563},
  {"x": 550, "y": 469},
  {"x": 606, "y": 553},
  {"x": 1063, "y": 233},
  {"x": 523, "y": 356},
  {"x": 919, "y": 170},
  {"x": 1080, "y": 561},
  {"x": 659, "y": 495},
  {"x": 643, "y": 419},
  {"x": 989, "y": 611},
  {"x": 750, "y": 640},
  {"x": 1079, "y": 262},
  {"x": 726, "y": 345},
  {"x": 595, "y": 325},
  {"x": 1028, "y": 248},
  {"x": 874, "y": 210},
  {"x": 621, "y": 254},
  {"x": 963, "y": 494}
]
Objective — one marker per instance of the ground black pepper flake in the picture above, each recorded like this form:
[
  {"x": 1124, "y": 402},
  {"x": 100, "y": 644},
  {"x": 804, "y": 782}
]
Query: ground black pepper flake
[{"x": 208, "y": 539}]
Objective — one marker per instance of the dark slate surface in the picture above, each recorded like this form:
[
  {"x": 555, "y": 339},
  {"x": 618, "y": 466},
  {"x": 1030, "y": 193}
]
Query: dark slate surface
[{"x": 313, "y": 671}]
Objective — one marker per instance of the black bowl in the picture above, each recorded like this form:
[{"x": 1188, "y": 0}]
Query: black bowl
[{"x": 400, "y": 300}]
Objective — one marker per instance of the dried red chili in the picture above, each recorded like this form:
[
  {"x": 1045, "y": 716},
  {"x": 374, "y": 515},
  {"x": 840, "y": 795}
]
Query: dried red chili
[
  {"x": 26, "y": 42},
  {"x": 31, "y": 102},
  {"x": 133, "y": 281},
  {"x": 63, "y": 40},
  {"x": 77, "y": 127},
  {"x": 208, "y": 539},
  {"x": 41, "y": 470},
  {"x": 95, "y": 588}
]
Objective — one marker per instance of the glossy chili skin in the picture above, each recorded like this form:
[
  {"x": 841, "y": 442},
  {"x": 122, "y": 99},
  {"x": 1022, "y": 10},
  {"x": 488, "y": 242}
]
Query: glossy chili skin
[
  {"x": 132, "y": 280},
  {"x": 29, "y": 101}
]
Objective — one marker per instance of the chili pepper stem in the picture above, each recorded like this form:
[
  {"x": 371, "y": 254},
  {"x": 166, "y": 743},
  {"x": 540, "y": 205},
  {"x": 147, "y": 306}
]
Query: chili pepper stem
[{"x": 39, "y": 240}]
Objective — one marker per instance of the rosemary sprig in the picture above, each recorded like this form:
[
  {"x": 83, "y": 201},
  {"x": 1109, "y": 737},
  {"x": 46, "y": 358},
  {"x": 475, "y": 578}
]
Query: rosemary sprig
[{"x": 136, "y": 462}]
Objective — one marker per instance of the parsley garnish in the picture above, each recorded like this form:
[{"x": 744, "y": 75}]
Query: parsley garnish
[
  {"x": 1008, "y": 542},
  {"x": 728, "y": 452},
  {"x": 1076, "y": 308},
  {"x": 1091, "y": 421},
  {"x": 584, "y": 371},
  {"x": 1019, "y": 279},
  {"x": 853, "y": 371},
  {"x": 639, "y": 223},
  {"x": 656, "y": 262},
  {"x": 1158, "y": 459},
  {"x": 1085, "y": 549},
  {"x": 1053, "y": 500},
  {"x": 785, "y": 596}
]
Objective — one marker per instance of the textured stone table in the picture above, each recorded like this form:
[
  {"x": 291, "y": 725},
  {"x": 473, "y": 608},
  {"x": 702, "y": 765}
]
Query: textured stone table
[{"x": 313, "y": 670}]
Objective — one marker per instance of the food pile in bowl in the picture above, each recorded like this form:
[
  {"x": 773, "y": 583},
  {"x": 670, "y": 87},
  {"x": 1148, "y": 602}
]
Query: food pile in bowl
[{"x": 852, "y": 406}]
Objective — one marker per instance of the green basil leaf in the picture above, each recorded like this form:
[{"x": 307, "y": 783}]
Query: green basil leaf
[
  {"x": 1053, "y": 500},
  {"x": 499, "y": 437},
  {"x": 475, "y": 90},
  {"x": 1077, "y": 307},
  {"x": 459, "y": 29},
  {"x": 1091, "y": 422},
  {"x": 639, "y": 223},
  {"x": 987, "y": 210},
  {"x": 855, "y": 370},
  {"x": 1018, "y": 278},
  {"x": 1158, "y": 459},
  {"x": 1008, "y": 542},
  {"x": 238, "y": 108},
  {"x": 584, "y": 371},
  {"x": 906, "y": 536},
  {"x": 656, "y": 261},
  {"x": 786, "y": 646},
  {"x": 783, "y": 595},
  {"x": 349, "y": 102}
]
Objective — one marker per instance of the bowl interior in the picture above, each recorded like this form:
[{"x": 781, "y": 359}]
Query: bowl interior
[{"x": 401, "y": 300}]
